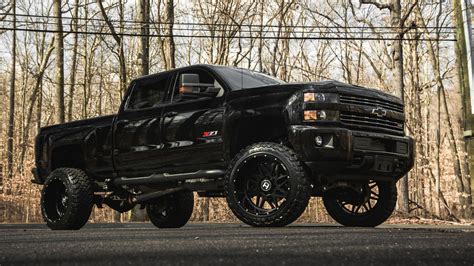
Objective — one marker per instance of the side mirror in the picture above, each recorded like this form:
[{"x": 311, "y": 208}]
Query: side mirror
[
  {"x": 189, "y": 80},
  {"x": 190, "y": 86}
]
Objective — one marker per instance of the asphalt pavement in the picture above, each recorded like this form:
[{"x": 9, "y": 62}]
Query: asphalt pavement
[{"x": 236, "y": 244}]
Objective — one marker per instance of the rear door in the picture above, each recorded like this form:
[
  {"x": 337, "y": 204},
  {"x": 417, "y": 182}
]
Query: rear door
[
  {"x": 192, "y": 127},
  {"x": 137, "y": 135}
]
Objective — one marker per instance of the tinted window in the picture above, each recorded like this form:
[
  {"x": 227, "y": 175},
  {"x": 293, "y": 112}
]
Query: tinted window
[
  {"x": 238, "y": 78},
  {"x": 148, "y": 92}
]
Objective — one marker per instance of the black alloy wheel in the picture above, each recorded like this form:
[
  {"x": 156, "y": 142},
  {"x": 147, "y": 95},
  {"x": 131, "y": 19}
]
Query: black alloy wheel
[
  {"x": 267, "y": 186},
  {"x": 368, "y": 204},
  {"x": 56, "y": 199}
]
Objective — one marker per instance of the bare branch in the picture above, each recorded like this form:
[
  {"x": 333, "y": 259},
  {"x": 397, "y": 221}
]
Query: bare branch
[
  {"x": 410, "y": 10},
  {"x": 377, "y": 4}
]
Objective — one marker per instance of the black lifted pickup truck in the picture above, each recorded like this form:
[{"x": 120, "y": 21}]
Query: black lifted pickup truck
[{"x": 265, "y": 145}]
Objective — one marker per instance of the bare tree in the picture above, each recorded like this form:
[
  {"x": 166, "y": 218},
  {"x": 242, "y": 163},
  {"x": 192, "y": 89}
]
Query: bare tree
[
  {"x": 38, "y": 77},
  {"x": 59, "y": 51},
  {"x": 11, "y": 115},
  {"x": 397, "y": 21},
  {"x": 164, "y": 25},
  {"x": 170, "y": 39},
  {"x": 119, "y": 40},
  {"x": 73, "y": 68},
  {"x": 144, "y": 39}
]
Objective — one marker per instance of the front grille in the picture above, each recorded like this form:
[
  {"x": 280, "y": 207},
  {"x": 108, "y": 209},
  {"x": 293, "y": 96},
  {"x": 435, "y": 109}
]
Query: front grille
[
  {"x": 370, "y": 102},
  {"x": 370, "y": 123}
]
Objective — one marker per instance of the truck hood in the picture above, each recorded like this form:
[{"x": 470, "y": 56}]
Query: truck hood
[
  {"x": 322, "y": 86},
  {"x": 345, "y": 88}
]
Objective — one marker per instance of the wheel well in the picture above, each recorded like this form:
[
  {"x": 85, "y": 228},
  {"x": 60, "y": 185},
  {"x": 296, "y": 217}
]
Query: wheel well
[
  {"x": 67, "y": 156},
  {"x": 255, "y": 130}
]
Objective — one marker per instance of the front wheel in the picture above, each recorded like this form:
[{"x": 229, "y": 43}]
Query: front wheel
[
  {"x": 266, "y": 185},
  {"x": 364, "y": 204}
]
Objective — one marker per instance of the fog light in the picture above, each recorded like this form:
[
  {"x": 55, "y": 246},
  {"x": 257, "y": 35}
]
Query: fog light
[
  {"x": 318, "y": 140},
  {"x": 310, "y": 115},
  {"x": 313, "y": 115}
]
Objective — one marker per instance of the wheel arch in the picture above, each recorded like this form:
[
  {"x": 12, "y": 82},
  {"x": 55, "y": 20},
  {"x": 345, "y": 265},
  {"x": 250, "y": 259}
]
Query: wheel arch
[
  {"x": 71, "y": 156},
  {"x": 249, "y": 130}
]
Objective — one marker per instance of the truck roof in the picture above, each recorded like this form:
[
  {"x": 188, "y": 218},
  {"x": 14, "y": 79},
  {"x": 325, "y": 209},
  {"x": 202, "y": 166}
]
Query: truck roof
[{"x": 209, "y": 66}]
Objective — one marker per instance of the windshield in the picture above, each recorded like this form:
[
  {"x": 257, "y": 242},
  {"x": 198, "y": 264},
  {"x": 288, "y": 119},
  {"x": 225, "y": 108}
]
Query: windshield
[{"x": 238, "y": 78}]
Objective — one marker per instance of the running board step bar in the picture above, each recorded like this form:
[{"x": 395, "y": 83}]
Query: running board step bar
[{"x": 162, "y": 178}]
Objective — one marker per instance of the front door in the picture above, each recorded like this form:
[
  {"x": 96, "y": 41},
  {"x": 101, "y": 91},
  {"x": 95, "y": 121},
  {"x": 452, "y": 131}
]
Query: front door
[
  {"x": 192, "y": 126},
  {"x": 138, "y": 138}
]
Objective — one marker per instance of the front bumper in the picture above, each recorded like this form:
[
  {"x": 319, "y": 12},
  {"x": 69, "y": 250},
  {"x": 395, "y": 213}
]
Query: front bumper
[{"x": 355, "y": 155}]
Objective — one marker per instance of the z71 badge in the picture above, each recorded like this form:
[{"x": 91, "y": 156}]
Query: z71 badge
[{"x": 209, "y": 133}]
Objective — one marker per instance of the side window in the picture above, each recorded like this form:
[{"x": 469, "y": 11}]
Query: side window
[
  {"x": 148, "y": 92},
  {"x": 204, "y": 78}
]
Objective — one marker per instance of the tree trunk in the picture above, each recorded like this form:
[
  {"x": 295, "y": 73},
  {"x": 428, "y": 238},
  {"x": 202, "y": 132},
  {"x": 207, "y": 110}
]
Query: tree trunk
[
  {"x": 395, "y": 21},
  {"x": 119, "y": 40},
  {"x": 260, "y": 41},
  {"x": 170, "y": 39},
  {"x": 59, "y": 80},
  {"x": 144, "y": 39},
  {"x": 438, "y": 156},
  {"x": 137, "y": 214},
  {"x": 467, "y": 116},
  {"x": 72, "y": 74},
  {"x": 36, "y": 90},
  {"x": 11, "y": 115}
]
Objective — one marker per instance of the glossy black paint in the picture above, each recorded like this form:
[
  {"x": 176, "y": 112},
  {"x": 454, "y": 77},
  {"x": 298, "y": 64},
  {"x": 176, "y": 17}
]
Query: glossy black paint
[{"x": 206, "y": 132}]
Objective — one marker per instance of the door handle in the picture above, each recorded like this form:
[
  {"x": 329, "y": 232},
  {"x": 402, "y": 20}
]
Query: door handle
[{"x": 170, "y": 114}]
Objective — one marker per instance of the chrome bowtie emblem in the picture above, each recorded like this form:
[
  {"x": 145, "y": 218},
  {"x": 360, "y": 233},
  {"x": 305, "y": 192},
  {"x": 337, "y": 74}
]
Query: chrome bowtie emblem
[{"x": 380, "y": 112}]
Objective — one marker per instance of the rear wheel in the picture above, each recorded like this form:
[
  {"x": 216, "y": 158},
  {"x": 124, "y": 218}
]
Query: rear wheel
[
  {"x": 67, "y": 199},
  {"x": 366, "y": 204},
  {"x": 171, "y": 211},
  {"x": 266, "y": 185}
]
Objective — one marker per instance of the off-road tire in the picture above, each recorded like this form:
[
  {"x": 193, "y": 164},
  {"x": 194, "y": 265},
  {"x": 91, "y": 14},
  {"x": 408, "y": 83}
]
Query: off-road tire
[
  {"x": 300, "y": 184},
  {"x": 376, "y": 216},
  {"x": 172, "y": 211},
  {"x": 78, "y": 190}
]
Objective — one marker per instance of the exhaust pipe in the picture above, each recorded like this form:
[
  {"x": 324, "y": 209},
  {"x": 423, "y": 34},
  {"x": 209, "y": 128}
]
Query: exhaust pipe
[{"x": 163, "y": 178}]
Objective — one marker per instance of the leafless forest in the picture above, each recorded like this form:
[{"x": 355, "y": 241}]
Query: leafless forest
[{"x": 63, "y": 60}]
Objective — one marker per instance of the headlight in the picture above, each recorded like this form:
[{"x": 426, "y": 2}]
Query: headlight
[
  {"x": 320, "y": 97},
  {"x": 309, "y": 97}
]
